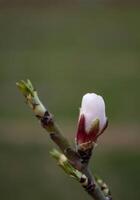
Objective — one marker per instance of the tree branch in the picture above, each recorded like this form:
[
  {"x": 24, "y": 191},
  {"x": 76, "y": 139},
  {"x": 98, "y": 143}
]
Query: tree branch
[{"x": 75, "y": 163}]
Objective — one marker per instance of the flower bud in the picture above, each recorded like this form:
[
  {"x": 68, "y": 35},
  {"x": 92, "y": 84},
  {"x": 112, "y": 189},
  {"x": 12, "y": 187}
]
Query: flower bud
[{"x": 92, "y": 119}]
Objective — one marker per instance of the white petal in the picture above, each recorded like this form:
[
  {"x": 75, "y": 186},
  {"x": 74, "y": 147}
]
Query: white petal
[{"x": 93, "y": 107}]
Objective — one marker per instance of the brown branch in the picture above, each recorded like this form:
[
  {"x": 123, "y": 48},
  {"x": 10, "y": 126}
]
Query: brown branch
[{"x": 78, "y": 160}]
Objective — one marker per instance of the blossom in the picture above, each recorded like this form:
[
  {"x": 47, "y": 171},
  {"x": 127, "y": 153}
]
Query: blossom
[{"x": 92, "y": 118}]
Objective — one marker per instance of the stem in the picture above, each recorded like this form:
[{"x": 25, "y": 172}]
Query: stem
[{"x": 76, "y": 162}]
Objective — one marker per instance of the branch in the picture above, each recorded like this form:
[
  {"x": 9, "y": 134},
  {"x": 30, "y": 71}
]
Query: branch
[{"x": 74, "y": 163}]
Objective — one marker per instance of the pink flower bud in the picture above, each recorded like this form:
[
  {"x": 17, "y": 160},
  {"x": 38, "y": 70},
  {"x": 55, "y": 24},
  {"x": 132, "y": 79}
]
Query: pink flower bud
[{"x": 92, "y": 118}]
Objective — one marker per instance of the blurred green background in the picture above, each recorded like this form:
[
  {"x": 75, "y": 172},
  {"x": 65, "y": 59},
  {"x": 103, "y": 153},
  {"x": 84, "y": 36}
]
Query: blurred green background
[{"x": 69, "y": 49}]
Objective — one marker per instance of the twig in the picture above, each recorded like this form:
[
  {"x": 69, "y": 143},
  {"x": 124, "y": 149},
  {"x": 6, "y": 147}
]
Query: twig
[{"x": 74, "y": 163}]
